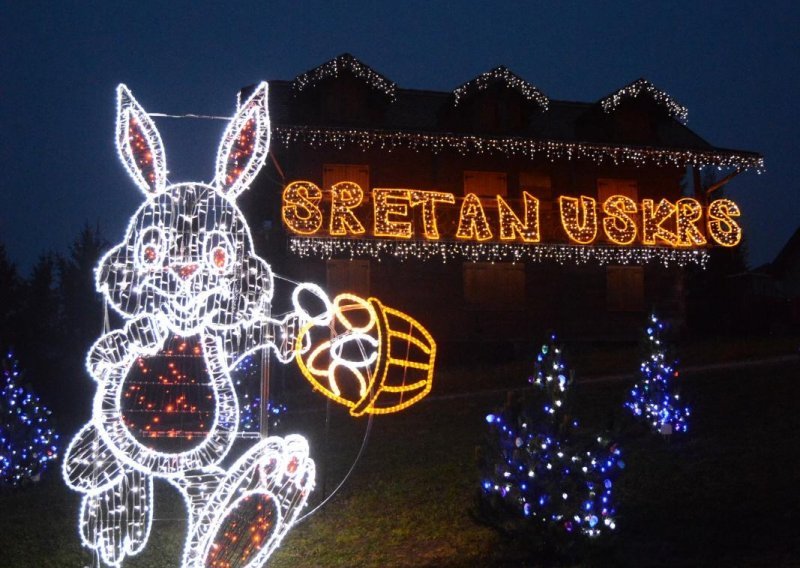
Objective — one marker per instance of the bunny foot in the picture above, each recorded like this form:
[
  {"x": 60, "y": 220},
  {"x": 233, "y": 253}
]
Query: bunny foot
[{"x": 254, "y": 505}]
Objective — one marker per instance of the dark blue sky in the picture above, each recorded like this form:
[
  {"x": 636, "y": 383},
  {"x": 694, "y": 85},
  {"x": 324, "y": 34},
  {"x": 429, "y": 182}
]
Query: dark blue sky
[{"x": 734, "y": 65}]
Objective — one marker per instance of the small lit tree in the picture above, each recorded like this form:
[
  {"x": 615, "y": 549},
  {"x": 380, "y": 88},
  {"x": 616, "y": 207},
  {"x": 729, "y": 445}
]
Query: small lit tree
[
  {"x": 652, "y": 399},
  {"x": 248, "y": 387},
  {"x": 27, "y": 441},
  {"x": 540, "y": 473}
]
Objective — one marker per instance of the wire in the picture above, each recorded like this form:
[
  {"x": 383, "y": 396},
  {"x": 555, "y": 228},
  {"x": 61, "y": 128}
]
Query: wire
[{"x": 190, "y": 115}]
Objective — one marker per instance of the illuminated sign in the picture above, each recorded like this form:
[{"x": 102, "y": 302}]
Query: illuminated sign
[{"x": 391, "y": 213}]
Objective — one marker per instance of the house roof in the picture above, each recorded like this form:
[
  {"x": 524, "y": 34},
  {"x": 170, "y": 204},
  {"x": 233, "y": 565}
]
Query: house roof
[{"x": 416, "y": 119}]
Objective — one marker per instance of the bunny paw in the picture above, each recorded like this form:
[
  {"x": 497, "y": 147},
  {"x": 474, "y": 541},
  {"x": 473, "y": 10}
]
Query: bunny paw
[{"x": 255, "y": 505}]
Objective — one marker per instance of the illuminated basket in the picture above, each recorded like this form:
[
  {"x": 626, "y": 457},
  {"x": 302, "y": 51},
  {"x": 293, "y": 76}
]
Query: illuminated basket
[{"x": 372, "y": 359}]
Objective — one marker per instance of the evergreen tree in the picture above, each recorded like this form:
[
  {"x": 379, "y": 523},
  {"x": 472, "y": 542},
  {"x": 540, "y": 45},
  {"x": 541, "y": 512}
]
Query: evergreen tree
[
  {"x": 9, "y": 299},
  {"x": 541, "y": 474},
  {"x": 27, "y": 440},
  {"x": 651, "y": 399}
]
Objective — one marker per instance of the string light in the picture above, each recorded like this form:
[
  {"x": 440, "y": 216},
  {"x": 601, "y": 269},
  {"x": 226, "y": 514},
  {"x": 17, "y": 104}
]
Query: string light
[
  {"x": 346, "y": 196},
  {"x": 388, "y": 205},
  {"x": 28, "y": 442},
  {"x": 502, "y": 74},
  {"x": 332, "y": 68},
  {"x": 444, "y": 251},
  {"x": 653, "y": 217},
  {"x": 196, "y": 301},
  {"x": 399, "y": 371},
  {"x": 472, "y": 223},
  {"x": 513, "y": 146},
  {"x": 538, "y": 471},
  {"x": 579, "y": 218},
  {"x": 689, "y": 213},
  {"x": 651, "y": 399},
  {"x": 618, "y": 225},
  {"x": 511, "y": 227},
  {"x": 300, "y": 211},
  {"x": 721, "y": 226},
  {"x": 640, "y": 87}
]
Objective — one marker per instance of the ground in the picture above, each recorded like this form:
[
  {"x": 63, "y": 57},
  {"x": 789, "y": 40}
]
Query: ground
[{"x": 726, "y": 495}]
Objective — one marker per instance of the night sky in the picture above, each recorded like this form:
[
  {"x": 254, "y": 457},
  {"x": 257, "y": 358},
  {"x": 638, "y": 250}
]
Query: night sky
[{"x": 734, "y": 66}]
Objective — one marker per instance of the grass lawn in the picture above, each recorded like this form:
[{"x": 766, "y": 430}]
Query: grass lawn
[{"x": 728, "y": 495}]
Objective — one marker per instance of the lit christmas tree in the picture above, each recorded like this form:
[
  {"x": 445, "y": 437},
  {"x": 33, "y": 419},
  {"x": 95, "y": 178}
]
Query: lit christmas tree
[
  {"x": 540, "y": 473},
  {"x": 27, "y": 441},
  {"x": 248, "y": 386},
  {"x": 651, "y": 398}
]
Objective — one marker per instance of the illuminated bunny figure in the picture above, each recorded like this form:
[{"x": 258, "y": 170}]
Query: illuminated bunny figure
[{"x": 196, "y": 299}]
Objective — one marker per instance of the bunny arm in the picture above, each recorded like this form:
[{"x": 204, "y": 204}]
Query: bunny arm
[
  {"x": 117, "y": 348},
  {"x": 261, "y": 333}
]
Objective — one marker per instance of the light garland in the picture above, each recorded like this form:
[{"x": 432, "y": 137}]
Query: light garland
[
  {"x": 332, "y": 68},
  {"x": 640, "y": 87},
  {"x": 510, "y": 146},
  {"x": 444, "y": 251},
  {"x": 196, "y": 301},
  {"x": 502, "y": 73}
]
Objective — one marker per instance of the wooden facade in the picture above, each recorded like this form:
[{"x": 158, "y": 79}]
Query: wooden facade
[{"x": 494, "y": 135}]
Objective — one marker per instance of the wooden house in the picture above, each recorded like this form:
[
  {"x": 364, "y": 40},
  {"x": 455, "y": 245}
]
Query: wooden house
[{"x": 480, "y": 162}]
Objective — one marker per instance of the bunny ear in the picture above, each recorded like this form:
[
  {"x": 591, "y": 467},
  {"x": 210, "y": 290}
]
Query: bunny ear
[
  {"x": 244, "y": 146},
  {"x": 139, "y": 144}
]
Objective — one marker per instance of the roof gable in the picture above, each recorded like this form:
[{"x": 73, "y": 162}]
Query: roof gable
[
  {"x": 511, "y": 80},
  {"x": 644, "y": 87},
  {"x": 345, "y": 62}
]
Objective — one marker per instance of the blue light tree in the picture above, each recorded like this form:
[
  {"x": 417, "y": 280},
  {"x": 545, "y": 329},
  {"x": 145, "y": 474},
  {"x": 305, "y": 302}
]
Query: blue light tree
[
  {"x": 652, "y": 399},
  {"x": 27, "y": 441},
  {"x": 248, "y": 386},
  {"x": 539, "y": 471}
]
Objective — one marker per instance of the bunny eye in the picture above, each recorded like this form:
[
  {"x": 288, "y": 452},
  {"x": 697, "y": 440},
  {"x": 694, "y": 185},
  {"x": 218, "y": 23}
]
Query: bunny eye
[
  {"x": 151, "y": 248},
  {"x": 219, "y": 258},
  {"x": 219, "y": 252}
]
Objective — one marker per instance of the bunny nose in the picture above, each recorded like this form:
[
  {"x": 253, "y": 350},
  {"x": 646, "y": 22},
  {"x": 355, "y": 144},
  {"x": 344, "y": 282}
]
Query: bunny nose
[{"x": 184, "y": 271}]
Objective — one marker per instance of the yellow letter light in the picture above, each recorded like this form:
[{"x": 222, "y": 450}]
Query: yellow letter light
[
  {"x": 472, "y": 223},
  {"x": 580, "y": 224},
  {"x": 388, "y": 203},
  {"x": 345, "y": 196},
  {"x": 510, "y": 224},
  {"x": 428, "y": 200},
  {"x": 689, "y": 214},
  {"x": 652, "y": 219},
  {"x": 618, "y": 224},
  {"x": 722, "y": 228},
  {"x": 373, "y": 359},
  {"x": 300, "y": 211}
]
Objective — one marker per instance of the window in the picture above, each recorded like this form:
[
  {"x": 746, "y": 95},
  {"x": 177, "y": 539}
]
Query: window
[
  {"x": 485, "y": 184},
  {"x": 334, "y": 173},
  {"x": 496, "y": 284},
  {"x": 345, "y": 275},
  {"x": 625, "y": 288},
  {"x": 608, "y": 187}
]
